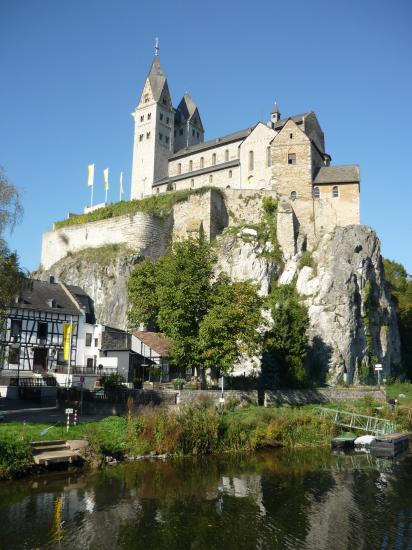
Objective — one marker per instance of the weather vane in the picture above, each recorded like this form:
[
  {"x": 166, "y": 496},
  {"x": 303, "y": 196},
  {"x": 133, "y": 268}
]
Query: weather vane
[{"x": 156, "y": 48}]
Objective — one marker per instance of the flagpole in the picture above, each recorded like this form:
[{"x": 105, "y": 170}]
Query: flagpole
[
  {"x": 105, "y": 200},
  {"x": 121, "y": 185},
  {"x": 91, "y": 199}
]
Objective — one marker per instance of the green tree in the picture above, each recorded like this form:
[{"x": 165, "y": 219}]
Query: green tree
[
  {"x": 229, "y": 328},
  {"x": 142, "y": 286},
  {"x": 285, "y": 344},
  {"x": 401, "y": 288}
]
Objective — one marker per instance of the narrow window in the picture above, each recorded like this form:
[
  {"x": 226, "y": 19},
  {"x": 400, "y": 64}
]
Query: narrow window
[
  {"x": 181, "y": 132},
  {"x": 211, "y": 178},
  {"x": 42, "y": 330},
  {"x": 214, "y": 159},
  {"x": 96, "y": 342},
  {"x": 179, "y": 168},
  {"x": 190, "y": 165},
  {"x": 14, "y": 355},
  {"x": 147, "y": 135},
  {"x": 251, "y": 160},
  {"x": 60, "y": 358},
  {"x": 316, "y": 193},
  {"x": 146, "y": 98},
  {"x": 164, "y": 101},
  {"x": 161, "y": 116},
  {"x": 141, "y": 137},
  {"x": 290, "y": 136},
  {"x": 142, "y": 118},
  {"x": 291, "y": 158},
  {"x": 167, "y": 139},
  {"x": 202, "y": 162},
  {"x": 15, "y": 328},
  {"x": 157, "y": 190},
  {"x": 293, "y": 196},
  {"x": 197, "y": 135},
  {"x": 238, "y": 152},
  {"x": 90, "y": 363},
  {"x": 230, "y": 173},
  {"x": 167, "y": 120},
  {"x": 89, "y": 337},
  {"x": 149, "y": 116},
  {"x": 227, "y": 155},
  {"x": 160, "y": 136},
  {"x": 268, "y": 157},
  {"x": 335, "y": 192},
  {"x": 192, "y": 183},
  {"x": 193, "y": 133},
  {"x": 174, "y": 186}
]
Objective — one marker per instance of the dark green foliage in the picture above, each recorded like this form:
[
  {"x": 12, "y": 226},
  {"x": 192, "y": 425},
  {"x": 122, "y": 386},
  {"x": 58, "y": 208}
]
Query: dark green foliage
[
  {"x": 267, "y": 229},
  {"x": 157, "y": 205},
  {"x": 142, "y": 287},
  {"x": 401, "y": 288},
  {"x": 286, "y": 343},
  {"x": 229, "y": 327},
  {"x": 15, "y": 455},
  {"x": 306, "y": 259},
  {"x": 112, "y": 381}
]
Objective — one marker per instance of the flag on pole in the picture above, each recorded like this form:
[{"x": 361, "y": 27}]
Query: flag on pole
[
  {"x": 90, "y": 176},
  {"x": 106, "y": 179},
  {"x": 67, "y": 340},
  {"x": 121, "y": 185}
]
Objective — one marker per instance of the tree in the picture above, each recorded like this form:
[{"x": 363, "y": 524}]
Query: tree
[
  {"x": 142, "y": 287},
  {"x": 10, "y": 205},
  {"x": 229, "y": 328},
  {"x": 285, "y": 343},
  {"x": 401, "y": 289}
]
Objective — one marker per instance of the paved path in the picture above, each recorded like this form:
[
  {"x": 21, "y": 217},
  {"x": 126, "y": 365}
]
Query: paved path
[{"x": 17, "y": 410}]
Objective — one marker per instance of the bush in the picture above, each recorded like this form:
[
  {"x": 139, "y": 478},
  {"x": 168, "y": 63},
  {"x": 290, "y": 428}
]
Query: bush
[{"x": 15, "y": 456}]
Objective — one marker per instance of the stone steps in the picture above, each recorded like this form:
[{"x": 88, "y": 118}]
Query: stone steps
[{"x": 53, "y": 452}]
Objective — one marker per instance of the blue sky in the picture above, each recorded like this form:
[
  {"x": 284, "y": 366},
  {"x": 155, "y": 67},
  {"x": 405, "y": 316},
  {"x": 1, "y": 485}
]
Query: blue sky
[{"x": 72, "y": 72}]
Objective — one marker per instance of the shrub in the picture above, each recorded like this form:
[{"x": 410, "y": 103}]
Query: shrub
[{"x": 15, "y": 456}]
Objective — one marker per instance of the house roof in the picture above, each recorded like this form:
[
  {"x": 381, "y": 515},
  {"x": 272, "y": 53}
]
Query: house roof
[
  {"x": 156, "y": 78},
  {"x": 337, "y": 174},
  {"x": 40, "y": 295},
  {"x": 155, "y": 340},
  {"x": 230, "y": 138}
]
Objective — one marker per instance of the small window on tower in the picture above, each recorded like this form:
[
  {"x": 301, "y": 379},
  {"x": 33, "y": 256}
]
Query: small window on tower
[
  {"x": 227, "y": 155},
  {"x": 293, "y": 196},
  {"x": 149, "y": 116},
  {"x": 197, "y": 135},
  {"x": 202, "y": 162},
  {"x": 181, "y": 132},
  {"x": 335, "y": 192},
  {"x": 160, "y": 136},
  {"x": 214, "y": 158},
  {"x": 316, "y": 193},
  {"x": 164, "y": 101},
  {"x": 142, "y": 118},
  {"x": 290, "y": 136},
  {"x": 211, "y": 178},
  {"x": 147, "y": 135},
  {"x": 146, "y": 98},
  {"x": 167, "y": 139},
  {"x": 291, "y": 158},
  {"x": 141, "y": 137},
  {"x": 167, "y": 120},
  {"x": 230, "y": 173},
  {"x": 190, "y": 165},
  {"x": 161, "y": 116}
]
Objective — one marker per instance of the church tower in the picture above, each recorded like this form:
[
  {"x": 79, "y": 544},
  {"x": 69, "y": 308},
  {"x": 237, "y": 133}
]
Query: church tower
[{"x": 153, "y": 134}]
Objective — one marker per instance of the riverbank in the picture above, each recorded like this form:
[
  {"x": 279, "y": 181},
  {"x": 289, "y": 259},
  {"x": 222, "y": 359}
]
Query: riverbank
[{"x": 197, "y": 429}]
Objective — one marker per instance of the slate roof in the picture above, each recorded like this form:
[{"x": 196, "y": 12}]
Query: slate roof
[
  {"x": 116, "y": 340},
  {"x": 337, "y": 174},
  {"x": 38, "y": 294},
  {"x": 298, "y": 119},
  {"x": 230, "y": 138},
  {"x": 156, "y": 78},
  {"x": 155, "y": 340},
  {"x": 212, "y": 168}
]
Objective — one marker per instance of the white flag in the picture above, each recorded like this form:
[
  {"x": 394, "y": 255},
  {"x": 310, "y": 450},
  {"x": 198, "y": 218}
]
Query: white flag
[
  {"x": 90, "y": 176},
  {"x": 121, "y": 184},
  {"x": 106, "y": 178}
]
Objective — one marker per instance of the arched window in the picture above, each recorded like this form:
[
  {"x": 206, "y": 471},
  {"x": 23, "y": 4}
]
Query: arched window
[
  {"x": 292, "y": 158},
  {"x": 211, "y": 178},
  {"x": 227, "y": 155},
  {"x": 251, "y": 160},
  {"x": 230, "y": 173},
  {"x": 316, "y": 193},
  {"x": 268, "y": 157},
  {"x": 192, "y": 183},
  {"x": 293, "y": 196},
  {"x": 214, "y": 158},
  {"x": 227, "y": 186},
  {"x": 179, "y": 168},
  {"x": 335, "y": 192},
  {"x": 202, "y": 162},
  {"x": 190, "y": 165}
]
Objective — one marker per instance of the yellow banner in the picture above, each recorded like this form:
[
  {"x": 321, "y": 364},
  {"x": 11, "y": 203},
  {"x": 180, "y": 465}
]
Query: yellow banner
[{"x": 67, "y": 340}]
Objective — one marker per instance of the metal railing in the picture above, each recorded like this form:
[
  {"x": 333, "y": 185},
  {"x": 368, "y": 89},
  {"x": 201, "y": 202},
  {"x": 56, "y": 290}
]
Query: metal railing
[
  {"x": 32, "y": 382},
  {"x": 369, "y": 424},
  {"x": 91, "y": 371}
]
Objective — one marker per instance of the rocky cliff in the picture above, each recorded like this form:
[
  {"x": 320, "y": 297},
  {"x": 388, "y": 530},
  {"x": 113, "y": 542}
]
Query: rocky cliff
[{"x": 353, "y": 321}]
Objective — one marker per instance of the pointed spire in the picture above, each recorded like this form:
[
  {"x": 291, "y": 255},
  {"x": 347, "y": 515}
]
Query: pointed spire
[
  {"x": 276, "y": 108},
  {"x": 156, "y": 78},
  {"x": 275, "y": 115}
]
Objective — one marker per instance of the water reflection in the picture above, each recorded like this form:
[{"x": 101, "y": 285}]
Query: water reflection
[{"x": 276, "y": 499}]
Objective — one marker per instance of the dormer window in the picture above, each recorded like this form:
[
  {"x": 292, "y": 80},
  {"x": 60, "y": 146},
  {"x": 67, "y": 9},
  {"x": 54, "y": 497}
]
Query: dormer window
[{"x": 292, "y": 158}]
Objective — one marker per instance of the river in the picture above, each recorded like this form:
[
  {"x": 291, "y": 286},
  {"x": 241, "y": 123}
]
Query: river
[{"x": 272, "y": 499}]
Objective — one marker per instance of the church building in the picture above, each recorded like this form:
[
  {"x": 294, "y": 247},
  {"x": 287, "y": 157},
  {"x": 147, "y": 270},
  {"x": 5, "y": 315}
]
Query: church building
[{"x": 284, "y": 155}]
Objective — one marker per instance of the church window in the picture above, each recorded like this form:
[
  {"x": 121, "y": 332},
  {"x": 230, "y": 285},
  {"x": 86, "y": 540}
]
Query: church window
[
  {"x": 211, "y": 178},
  {"x": 141, "y": 137},
  {"x": 142, "y": 118},
  {"x": 202, "y": 162},
  {"x": 291, "y": 158},
  {"x": 164, "y": 101},
  {"x": 190, "y": 165},
  {"x": 335, "y": 192},
  {"x": 146, "y": 98},
  {"x": 293, "y": 196},
  {"x": 167, "y": 120},
  {"x": 160, "y": 136},
  {"x": 161, "y": 116},
  {"x": 251, "y": 160},
  {"x": 181, "y": 132},
  {"x": 290, "y": 136},
  {"x": 316, "y": 193},
  {"x": 192, "y": 183},
  {"x": 167, "y": 139},
  {"x": 149, "y": 116},
  {"x": 147, "y": 135},
  {"x": 193, "y": 133},
  {"x": 230, "y": 173},
  {"x": 179, "y": 168},
  {"x": 226, "y": 155},
  {"x": 214, "y": 158},
  {"x": 268, "y": 157}
]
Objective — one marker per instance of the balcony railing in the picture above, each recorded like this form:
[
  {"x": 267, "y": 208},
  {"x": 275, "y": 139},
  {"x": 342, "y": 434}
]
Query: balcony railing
[
  {"x": 30, "y": 382},
  {"x": 91, "y": 371}
]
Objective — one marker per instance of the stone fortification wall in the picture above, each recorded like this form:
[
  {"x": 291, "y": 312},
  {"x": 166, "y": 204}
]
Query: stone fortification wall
[{"x": 147, "y": 234}]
